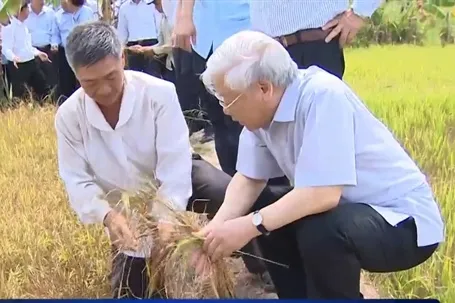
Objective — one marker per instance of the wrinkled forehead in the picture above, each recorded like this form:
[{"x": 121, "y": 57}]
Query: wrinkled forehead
[{"x": 99, "y": 70}]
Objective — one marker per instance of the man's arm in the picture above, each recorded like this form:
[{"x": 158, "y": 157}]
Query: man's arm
[
  {"x": 366, "y": 8},
  {"x": 55, "y": 38},
  {"x": 185, "y": 8},
  {"x": 173, "y": 149},
  {"x": 184, "y": 30},
  {"x": 122, "y": 25},
  {"x": 7, "y": 43},
  {"x": 85, "y": 196},
  {"x": 255, "y": 165},
  {"x": 326, "y": 163}
]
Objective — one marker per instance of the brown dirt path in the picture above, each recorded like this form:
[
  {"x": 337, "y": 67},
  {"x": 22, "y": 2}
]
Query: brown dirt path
[{"x": 248, "y": 286}]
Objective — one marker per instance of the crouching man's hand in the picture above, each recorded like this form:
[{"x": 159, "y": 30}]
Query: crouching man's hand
[{"x": 121, "y": 235}]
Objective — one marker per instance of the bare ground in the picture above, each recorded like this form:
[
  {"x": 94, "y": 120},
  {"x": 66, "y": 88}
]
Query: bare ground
[{"x": 248, "y": 285}]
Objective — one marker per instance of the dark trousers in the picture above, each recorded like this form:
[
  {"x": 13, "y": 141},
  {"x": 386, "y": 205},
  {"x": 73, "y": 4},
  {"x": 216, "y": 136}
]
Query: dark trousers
[
  {"x": 27, "y": 75},
  {"x": 328, "y": 56},
  {"x": 186, "y": 84},
  {"x": 49, "y": 70},
  {"x": 144, "y": 63},
  {"x": 326, "y": 252},
  {"x": 67, "y": 82},
  {"x": 129, "y": 277}
]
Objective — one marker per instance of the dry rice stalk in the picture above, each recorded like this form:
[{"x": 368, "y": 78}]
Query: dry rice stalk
[{"x": 169, "y": 268}]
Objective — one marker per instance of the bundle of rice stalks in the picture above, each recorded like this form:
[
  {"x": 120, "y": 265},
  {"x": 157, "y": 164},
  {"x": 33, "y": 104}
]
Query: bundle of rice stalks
[{"x": 171, "y": 272}]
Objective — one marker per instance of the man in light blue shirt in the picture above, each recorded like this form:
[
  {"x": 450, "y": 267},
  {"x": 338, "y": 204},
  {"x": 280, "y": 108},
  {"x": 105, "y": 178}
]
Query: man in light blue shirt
[
  {"x": 358, "y": 201},
  {"x": 40, "y": 23},
  {"x": 200, "y": 27},
  {"x": 72, "y": 13}
]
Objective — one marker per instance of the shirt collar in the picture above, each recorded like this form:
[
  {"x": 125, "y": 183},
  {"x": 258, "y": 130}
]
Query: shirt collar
[
  {"x": 77, "y": 13},
  {"x": 16, "y": 21},
  {"x": 288, "y": 104},
  {"x": 95, "y": 116},
  {"x": 33, "y": 12}
]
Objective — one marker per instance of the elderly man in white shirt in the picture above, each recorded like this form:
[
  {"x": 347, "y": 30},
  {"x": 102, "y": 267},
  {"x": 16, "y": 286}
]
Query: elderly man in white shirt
[
  {"x": 357, "y": 200},
  {"x": 115, "y": 132},
  {"x": 18, "y": 50}
]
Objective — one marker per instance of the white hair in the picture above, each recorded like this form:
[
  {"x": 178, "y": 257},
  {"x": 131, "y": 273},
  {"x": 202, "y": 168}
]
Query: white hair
[{"x": 247, "y": 57}]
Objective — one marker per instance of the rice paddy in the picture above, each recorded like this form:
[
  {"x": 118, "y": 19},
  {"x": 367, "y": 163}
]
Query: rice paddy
[{"x": 47, "y": 253}]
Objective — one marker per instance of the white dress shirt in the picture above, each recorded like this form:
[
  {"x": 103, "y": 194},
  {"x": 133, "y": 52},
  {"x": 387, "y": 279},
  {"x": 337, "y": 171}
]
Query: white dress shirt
[
  {"x": 17, "y": 41},
  {"x": 150, "y": 141},
  {"x": 137, "y": 21}
]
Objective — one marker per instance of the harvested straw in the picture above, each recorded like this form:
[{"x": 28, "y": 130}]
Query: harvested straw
[{"x": 170, "y": 271}]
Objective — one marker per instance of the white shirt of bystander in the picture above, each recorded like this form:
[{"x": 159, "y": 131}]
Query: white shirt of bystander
[
  {"x": 150, "y": 140},
  {"x": 17, "y": 42}
]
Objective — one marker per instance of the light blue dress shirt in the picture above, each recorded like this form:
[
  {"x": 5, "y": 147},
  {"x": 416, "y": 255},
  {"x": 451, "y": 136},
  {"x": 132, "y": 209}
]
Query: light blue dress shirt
[
  {"x": 41, "y": 26},
  {"x": 323, "y": 135},
  {"x": 65, "y": 22},
  {"x": 283, "y": 17},
  {"x": 215, "y": 21}
]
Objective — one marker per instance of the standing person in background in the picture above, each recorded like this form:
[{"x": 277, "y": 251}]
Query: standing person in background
[
  {"x": 313, "y": 32},
  {"x": 3, "y": 59},
  {"x": 186, "y": 81},
  {"x": 22, "y": 67},
  {"x": 93, "y": 5},
  {"x": 72, "y": 13},
  {"x": 40, "y": 23},
  {"x": 137, "y": 26},
  {"x": 162, "y": 51}
]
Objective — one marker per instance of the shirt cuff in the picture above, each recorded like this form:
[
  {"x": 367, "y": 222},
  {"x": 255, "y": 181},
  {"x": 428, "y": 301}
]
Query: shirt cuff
[
  {"x": 103, "y": 208},
  {"x": 36, "y": 52}
]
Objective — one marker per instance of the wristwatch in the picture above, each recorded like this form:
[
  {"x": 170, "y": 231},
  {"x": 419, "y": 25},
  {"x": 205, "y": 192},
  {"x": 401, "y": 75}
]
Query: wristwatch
[{"x": 257, "y": 221}]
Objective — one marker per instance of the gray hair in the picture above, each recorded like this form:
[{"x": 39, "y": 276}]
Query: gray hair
[
  {"x": 91, "y": 42},
  {"x": 247, "y": 57}
]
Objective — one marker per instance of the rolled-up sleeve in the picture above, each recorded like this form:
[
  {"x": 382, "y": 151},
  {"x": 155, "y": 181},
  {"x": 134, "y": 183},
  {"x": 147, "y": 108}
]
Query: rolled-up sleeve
[
  {"x": 174, "y": 162},
  {"x": 85, "y": 196},
  {"x": 327, "y": 155},
  {"x": 254, "y": 159},
  {"x": 7, "y": 42}
]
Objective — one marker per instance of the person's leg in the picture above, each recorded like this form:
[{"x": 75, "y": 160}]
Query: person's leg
[
  {"x": 47, "y": 68},
  {"x": 129, "y": 277},
  {"x": 18, "y": 77},
  {"x": 135, "y": 61},
  {"x": 153, "y": 66},
  {"x": 337, "y": 244},
  {"x": 328, "y": 56},
  {"x": 67, "y": 79},
  {"x": 209, "y": 187},
  {"x": 280, "y": 251},
  {"x": 38, "y": 83},
  {"x": 169, "y": 75},
  {"x": 186, "y": 83}
]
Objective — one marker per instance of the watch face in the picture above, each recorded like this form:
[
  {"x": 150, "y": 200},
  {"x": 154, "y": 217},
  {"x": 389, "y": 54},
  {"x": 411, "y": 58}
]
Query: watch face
[{"x": 257, "y": 219}]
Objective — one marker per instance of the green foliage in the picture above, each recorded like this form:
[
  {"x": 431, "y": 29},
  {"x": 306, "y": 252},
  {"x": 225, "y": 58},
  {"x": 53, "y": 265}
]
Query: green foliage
[{"x": 410, "y": 22}]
